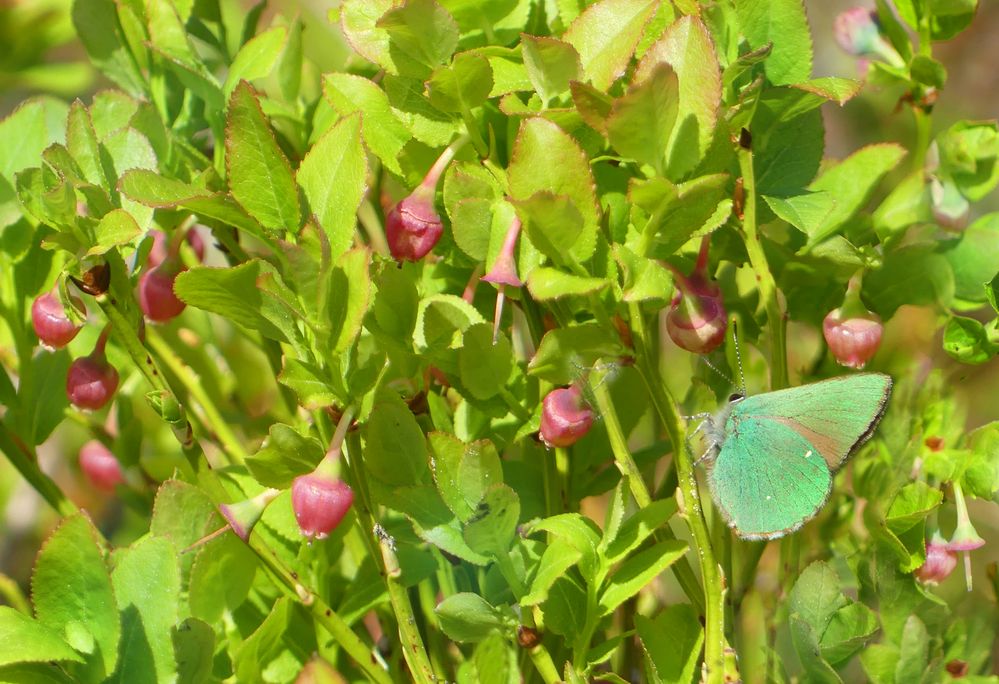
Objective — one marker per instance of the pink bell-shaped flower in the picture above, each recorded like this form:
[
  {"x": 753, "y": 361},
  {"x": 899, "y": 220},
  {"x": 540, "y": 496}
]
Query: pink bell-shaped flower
[
  {"x": 852, "y": 332},
  {"x": 696, "y": 320},
  {"x": 100, "y": 466}
]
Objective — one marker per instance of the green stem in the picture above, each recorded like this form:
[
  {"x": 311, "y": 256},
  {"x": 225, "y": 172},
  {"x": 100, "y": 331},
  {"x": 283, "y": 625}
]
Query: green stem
[
  {"x": 25, "y": 460},
  {"x": 629, "y": 470},
  {"x": 226, "y": 437},
  {"x": 714, "y": 582},
  {"x": 764, "y": 278},
  {"x": 413, "y": 649},
  {"x": 322, "y": 612},
  {"x": 542, "y": 660},
  {"x": 562, "y": 479},
  {"x": 516, "y": 408}
]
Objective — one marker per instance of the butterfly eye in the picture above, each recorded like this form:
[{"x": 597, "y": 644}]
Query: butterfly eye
[{"x": 735, "y": 397}]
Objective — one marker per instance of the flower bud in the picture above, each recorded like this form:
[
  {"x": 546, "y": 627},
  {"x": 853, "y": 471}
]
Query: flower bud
[
  {"x": 48, "y": 317},
  {"x": 857, "y": 31},
  {"x": 565, "y": 417},
  {"x": 244, "y": 515},
  {"x": 91, "y": 380},
  {"x": 940, "y": 561},
  {"x": 951, "y": 210},
  {"x": 965, "y": 537},
  {"x": 100, "y": 466},
  {"x": 320, "y": 502},
  {"x": 852, "y": 332},
  {"x": 413, "y": 226},
  {"x": 696, "y": 320},
  {"x": 156, "y": 295}
]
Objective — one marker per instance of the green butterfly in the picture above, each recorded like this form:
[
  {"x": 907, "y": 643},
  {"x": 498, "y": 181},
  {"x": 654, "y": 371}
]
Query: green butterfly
[{"x": 775, "y": 453}]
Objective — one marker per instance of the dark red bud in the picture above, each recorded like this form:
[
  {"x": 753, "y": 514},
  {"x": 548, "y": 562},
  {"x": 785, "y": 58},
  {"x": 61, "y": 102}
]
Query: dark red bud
[
  {"x": 565, "y": 417},
  {"x": 100, "y": 466},
  {"x": 91, "y": 380},
  {"x": 320, "y": 502},
  {"x": 51, "y": 324},
  {"x": 156, "y": 295},
  {"x": 413, "y": 227}
]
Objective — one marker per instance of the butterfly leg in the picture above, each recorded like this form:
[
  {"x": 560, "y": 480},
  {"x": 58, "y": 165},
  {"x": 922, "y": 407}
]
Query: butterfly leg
[{"x": 707, "y": 452}]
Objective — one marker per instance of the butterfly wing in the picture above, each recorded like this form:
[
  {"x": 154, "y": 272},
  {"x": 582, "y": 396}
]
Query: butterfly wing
[
  {"x": 773, "y": 472},
  {"x": 768, "y": 479},
  {"x": 835, "y": 415}
]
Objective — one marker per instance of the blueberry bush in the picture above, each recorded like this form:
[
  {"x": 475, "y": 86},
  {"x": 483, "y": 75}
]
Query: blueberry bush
[{"x": 384, "y": 371}]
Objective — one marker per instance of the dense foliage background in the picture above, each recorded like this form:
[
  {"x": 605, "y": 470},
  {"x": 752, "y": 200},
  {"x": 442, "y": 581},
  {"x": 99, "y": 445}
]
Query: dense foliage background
[{"x": 350, "y": 252}]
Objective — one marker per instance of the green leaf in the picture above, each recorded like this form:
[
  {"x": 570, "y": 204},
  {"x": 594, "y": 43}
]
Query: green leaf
[
  {"x": 915, "y": 274},
  {"x": 221, "y": 577},
  {"x": 333, "y": 176},
  {"x": 551, "y": 64},
  {"x": 550, "y": 283},
  {"x": 421, "y": 36},
  {"x": 81, "y": 140},
  {"x": 496, "y": 661},
  {"x": 281, "y": 646},
  {"x": 879, "y": 662},
  {"x": 966, "y": 340},
  {"x": 913, "y": 651},
  {"x": 852, "y": 183},
  {"x": 28, "y": 641},
  {"x": 484, "y": 365},
  {"x": 256, "y": 59},
  {"x": 97, "y": 26},
  {"x": 605, "y": 36},
  {"x": 592, "y": 105},
  {"x": 491, "y": 529},
  {"x": 973, "y": 258},
  {"x": 783, "y": 24},
  {"x": 146, "y": 652},
  {"x": 194, "y": 649},
  {"x": 558, "y": 557},
  {"x": 564, "y": 610},
  {"x": 786, "y": 153},
  {"x": 463, "y": 472},
  {"x": 807, "y": 212},
  {"x": 644, "y": 279},
  {"x": 806, "y": 644},
  {"x": 236, "y": 294},
  {"x": 350, "y": 294},
  {"x": 673, "y": 642},
  {"x": 383, "y": 131},
  {"x": 463, "y": 84},
  {"x": 183, "y": 514},
  {"x": 928, "y": 71},
  {"x": 467, "y": 618},
  {"x": 441, "y": 318},
  {"x": 579, "y": 532},
  {"x": 911, "y": 505},
  {"x": 849, "y": 629},
  {"x": 71, "y": 589},
  {"x": 638, "y": 571},
  {"x": 395, "y": 450},
  {"x": 637, "y": 529},
  {"x": 565, "y": 352},
  {"x": 686, "y": 46},
  {"x": 816, "y": 596},
  {"x": 116, "y": 228},
  {"x": 641, "y": 122},
  {"x": 153, "y": 190},
  {"x": 313, "y": 388},
  {"x": 969, "y": 154},
  {"x": 555, "y": 226},
  {"x": 548, "y": 163},
  {"x": 908, "y": 203},
  {"x": 41, "y": 408},
  {"x": 358, "y": 19},
  {"x": 285, "y": 455},
  {"x": 260, "y": 177}
]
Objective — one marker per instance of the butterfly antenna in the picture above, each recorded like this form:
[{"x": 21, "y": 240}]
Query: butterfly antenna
[
  {"x": 713, "y": 367},
  {"x": 738, "y": 355}
]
